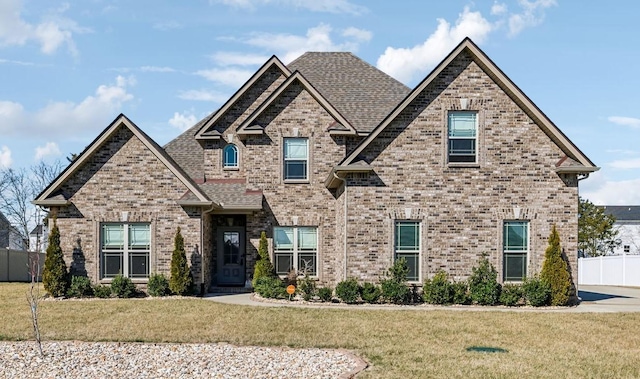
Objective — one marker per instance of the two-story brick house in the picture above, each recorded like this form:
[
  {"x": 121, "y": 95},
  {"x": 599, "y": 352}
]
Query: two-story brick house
[{"x": 345, "y": 169}]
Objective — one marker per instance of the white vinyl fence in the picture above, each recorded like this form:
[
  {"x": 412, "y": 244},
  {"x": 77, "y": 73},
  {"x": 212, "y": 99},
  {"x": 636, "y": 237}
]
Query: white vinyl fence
[{"x": 614, "y": 270}]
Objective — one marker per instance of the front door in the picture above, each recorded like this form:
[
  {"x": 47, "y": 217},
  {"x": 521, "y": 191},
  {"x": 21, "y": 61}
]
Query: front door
[{"x": 231, "y": 256}]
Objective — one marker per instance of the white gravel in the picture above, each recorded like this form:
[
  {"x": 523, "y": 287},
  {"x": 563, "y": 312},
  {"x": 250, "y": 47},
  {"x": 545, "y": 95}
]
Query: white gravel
[{"x": 72, "y": 359}]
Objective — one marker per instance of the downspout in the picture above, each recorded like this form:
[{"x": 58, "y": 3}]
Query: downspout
[
  {"x": 344, "y": 257},
  {"x": 202, "y": 247}
]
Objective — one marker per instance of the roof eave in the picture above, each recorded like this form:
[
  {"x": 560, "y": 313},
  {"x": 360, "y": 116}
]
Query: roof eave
[
  {"x": 51, "y": 203},
  {"x": 576, "y": 169},
  {"x": 197, "y": 203},
  {"x": 337, "y": 174}
]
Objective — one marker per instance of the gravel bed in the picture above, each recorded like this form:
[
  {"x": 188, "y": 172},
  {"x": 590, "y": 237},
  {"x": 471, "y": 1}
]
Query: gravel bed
[{"x": 72, "y": 359}]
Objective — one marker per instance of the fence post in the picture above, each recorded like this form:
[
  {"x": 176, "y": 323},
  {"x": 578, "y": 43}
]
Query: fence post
[
  {"x": 601, "y": 261},
  {"x": 624, "y": 269}
]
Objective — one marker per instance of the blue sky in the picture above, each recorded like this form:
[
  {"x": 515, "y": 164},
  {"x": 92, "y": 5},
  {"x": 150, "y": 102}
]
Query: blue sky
[{"x": 67, "y": 69}]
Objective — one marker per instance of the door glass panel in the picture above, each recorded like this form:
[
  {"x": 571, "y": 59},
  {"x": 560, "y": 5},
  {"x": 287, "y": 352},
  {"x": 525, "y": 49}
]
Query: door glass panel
[{"x": 231, "y": 247}]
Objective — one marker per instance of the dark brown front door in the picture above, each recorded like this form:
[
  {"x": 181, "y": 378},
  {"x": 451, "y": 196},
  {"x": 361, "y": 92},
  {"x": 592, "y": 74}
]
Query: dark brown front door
[{"x": 231, "y": 255}]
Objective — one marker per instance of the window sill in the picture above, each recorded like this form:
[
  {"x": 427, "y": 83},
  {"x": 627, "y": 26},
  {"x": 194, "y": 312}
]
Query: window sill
[
  {"x": 134, "y": 281},
  {"x": 463, "y": 165},
  {"x": 231, "y": 168},
  {"x": 296, "y": 181}
]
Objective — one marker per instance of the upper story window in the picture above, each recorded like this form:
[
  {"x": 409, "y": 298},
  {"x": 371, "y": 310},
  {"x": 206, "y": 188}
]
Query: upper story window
[
  {"x": 296, "y": 159},
  {"x": 407, "y": 246},
  {"x": 463, "y": 132},
  {"x": 124, "y": 250},
  {"x": 230, "y": 156},
  {"x": 515, "y": 248}
]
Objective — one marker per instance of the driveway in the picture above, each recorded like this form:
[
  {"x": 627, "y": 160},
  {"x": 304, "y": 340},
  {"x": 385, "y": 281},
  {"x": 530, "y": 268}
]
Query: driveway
[{"x": 608, "y": 299}]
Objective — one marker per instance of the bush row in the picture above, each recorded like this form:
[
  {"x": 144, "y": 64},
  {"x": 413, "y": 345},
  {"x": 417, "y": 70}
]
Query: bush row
[{"x": 120, "y": 286}]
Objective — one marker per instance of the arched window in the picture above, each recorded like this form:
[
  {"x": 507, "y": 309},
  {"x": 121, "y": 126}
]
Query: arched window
[{"x": 230, "y": 156}]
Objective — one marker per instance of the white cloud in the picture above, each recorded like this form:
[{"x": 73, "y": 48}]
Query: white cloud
[
  {"x": 329, "y": 6},
  {"x": 602, "y": 191},
  {"x": 50, "y": 149},
  {"x": 498, "y": 9},
  {"x": 532, "y": 14},
  {"x": 52, "y": 33},
  {"x": 626, "y": 164},
  {"x": 233, "y": 77},
  {"x": 228, "y": 58},
  {"x": 156, "y": 69},
  {"x": 67, "y": 119},
  {"x": 183, "y": 121},
  {"x": 5, "y": 157},
  {"x": 625, "y": 121},
  {"x": 358, "y": 34},
  {"x": 203, "y": 95},
  {"x": 405, "y": 64}
]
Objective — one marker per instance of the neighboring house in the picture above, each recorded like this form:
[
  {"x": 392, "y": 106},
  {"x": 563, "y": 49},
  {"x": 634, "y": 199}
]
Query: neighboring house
[
  {"x": 345, "y": 169},
  {"x": 10, "y": 236},
  {"x": 39, "y": 238},
  {"x": 628, "y": 226}
]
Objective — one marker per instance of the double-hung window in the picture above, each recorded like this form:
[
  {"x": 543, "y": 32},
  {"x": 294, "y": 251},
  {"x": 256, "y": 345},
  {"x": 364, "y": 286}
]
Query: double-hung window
[
  {"x": 125, "y": 249},
  {"x": 515, "y": 250},
  {"x": 463, "y": 133},
  {"x": 296, "y": 159},
  {"x": 230, "y": 156},
  {"x": 407, "y": 246},
  {"x": 295, "y": 248}
]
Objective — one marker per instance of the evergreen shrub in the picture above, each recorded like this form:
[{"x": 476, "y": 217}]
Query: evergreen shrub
[
  {"x": 394, "y": 288},
  {"x": 102, "y": 291},
  {"x": 555, "y": 271},
  {"x": 55, "y": 277},
  {"x": 511, "y": 294},
  {"x": 438, "y": 290},
  {"x": 370, "y": 293},
  {"x": 122, "y": 287},
  {"x": 460, "y": 293},
  {"x": 181, "y": 280},
  {"x": 348, "y": 291},
  {"x": 483, "y": 284},
  {"x": 307, "y": 287},
  {"x": 325, "y": 294},
  {"x": 270, "y": 288},
  {"x": 537, "y": 292},
  {"x": 80, "y": 287},
  {"x": 158, "y": 285},
  {"x": 263, "y": 266}
]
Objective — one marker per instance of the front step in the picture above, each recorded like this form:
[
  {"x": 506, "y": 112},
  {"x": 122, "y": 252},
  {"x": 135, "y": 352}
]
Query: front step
[{"x": 217, "y": 289}]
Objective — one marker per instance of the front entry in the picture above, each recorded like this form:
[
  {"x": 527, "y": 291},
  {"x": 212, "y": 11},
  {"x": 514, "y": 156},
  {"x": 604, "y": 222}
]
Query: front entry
[{"x": 231, "y": 256}]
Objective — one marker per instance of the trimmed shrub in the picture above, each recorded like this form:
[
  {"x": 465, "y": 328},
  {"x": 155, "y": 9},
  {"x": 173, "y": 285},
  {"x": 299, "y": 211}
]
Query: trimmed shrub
[
  {"x": 263, "y": 267},
  {"x": 101, "y": 291},
  {"x": 438, "y": 289},
  {"x": 122, "y": 287},
  {"x": 307, "y": 287},
  {"x": 370, "y": 293},
  {"x": 270, "y": 288},
  {"x": 325, "y": 294},
  {"x": 537, "y": 292},
  {"x": 483, "y": 284},
  {"x": 181, "y": 281},
  {"x": 555, "y": 271},
  {"x": 80, "y": 287},
  {"x": 511, "y": 294},
  {"x": 55, "y": 277},
  {"x": 394, "y": 288},
  {"x": 460, "y": 293},
  {"x": 348, "y": 290},
  {"x": 158, "y": 285}
]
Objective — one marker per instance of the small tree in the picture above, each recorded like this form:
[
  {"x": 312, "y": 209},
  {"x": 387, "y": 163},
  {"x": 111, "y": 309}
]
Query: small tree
[
  {"x": 596, "y": 233},
  {"x": 55, "y": 277},
  {"x": 181, "y": 279},
  {"x": 33, "y": 296},
  {"x": 263, "y": 267},
  {"x": 555, "y": 271},
  {"x": 483, "y": 285}
]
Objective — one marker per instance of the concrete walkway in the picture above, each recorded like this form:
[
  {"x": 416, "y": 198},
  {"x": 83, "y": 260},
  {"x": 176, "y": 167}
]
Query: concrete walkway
[{"x": 594, "y": 299}]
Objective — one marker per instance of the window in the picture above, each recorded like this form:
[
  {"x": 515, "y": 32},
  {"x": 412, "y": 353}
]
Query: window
[
  {"x": 463, "y": 130},
  {"x": 515, "y": 248},
  {"x": 230, "y": 156},
  {"x": 125, "y": 250},
  {"x": 407, "y": 246},
  {"x": 627, "y": 249},
  {"x": 295, "y": 248},
  {"x": 296, "y": 158}
]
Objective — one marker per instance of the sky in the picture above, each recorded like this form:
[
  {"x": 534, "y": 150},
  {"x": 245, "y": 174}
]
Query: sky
[{"x": 67, "y": 69}]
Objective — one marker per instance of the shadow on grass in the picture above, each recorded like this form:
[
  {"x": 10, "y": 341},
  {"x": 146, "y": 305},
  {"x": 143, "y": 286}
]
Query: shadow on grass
[{"x": 487, "y": 349}]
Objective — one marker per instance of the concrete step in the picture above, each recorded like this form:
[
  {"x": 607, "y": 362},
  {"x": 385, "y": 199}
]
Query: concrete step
[{"x": 218, "y": 289}]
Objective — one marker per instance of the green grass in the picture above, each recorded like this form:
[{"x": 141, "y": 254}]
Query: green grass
[{"x": 398, "y": 344}]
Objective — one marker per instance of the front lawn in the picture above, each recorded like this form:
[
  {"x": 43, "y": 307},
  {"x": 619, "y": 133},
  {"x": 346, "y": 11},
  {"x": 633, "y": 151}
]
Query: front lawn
[{"x": 399, "y": 344}]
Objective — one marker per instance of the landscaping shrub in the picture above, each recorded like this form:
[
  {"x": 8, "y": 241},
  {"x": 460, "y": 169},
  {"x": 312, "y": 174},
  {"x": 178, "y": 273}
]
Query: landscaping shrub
[
  {"x": 483, "y": 285},
  {"x": 80, "y": 287},
  {"x": 370, "y": 293},
  {"x": 394, "y": 288},
  {"x": 102, "y": 291},
  {"x": 55, "y": 277},
  {"x": 307, "y": 287},
  {"x": 122, "y": 287},
  {"x": 325, "y": 294},
  {"x": 460, "y": 293},
  {"x": 555, "y": 271},
  {"x": 348, "y": 290},
  {"x": 158, "y": 285},
  {"x": 181, "y": 280},
  {"x": 438, "y": 289},
  {"x": 511, "y": 294},
  {"x": 537, "y": 292},
  {"x": 263, "y": 267},
  {"x": 270, "y": 288}
]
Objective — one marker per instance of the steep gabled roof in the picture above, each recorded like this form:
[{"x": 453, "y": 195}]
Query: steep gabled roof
[
  {"x": 49, "y": 197},
  {"x": 584, "y": 165},
  {"x": 363, "y": 94},
  {"x": 211, "y": 120},
  {"x": 247, "y": 126}
]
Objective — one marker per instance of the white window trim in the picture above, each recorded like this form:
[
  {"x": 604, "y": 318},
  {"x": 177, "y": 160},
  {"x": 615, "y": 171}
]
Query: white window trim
[
  {"x": 526, "y": 254},
  {"x": 394, "y": 251},
  {"x": 224, "y": 156},
  {"x": 285, "y": 159},
  {"x": 295, "y": 250},
  {"x": 125, "y": 252},
  {"x": 476, "y": 162}
]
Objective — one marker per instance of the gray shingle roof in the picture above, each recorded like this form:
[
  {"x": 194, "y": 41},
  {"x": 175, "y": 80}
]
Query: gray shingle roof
[
  {"x": 187, "y": 152},
  {"x": 363, "y": 94},
  {"x": 623, "y": 212},
  {"x": 231, "y": 194}
]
